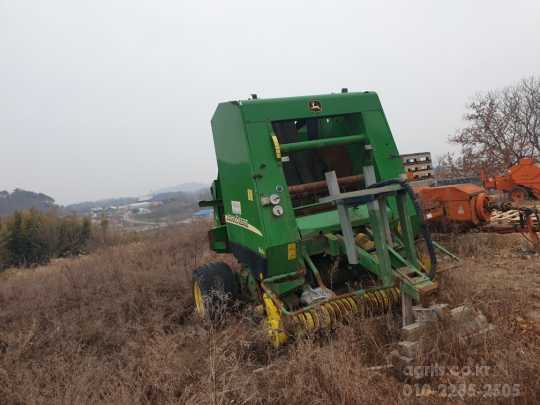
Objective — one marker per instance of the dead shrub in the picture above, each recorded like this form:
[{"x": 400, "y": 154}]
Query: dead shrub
[{"x": 118, "y": 327}]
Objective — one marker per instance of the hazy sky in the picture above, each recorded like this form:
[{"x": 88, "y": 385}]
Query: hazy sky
[{"x": 113, "y": 98}]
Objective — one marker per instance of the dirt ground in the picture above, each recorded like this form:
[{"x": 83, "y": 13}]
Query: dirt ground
[{"x": 118, "y": 327}]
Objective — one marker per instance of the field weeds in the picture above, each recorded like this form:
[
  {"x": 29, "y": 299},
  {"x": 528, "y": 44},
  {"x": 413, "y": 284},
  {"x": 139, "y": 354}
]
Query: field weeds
[{"x": 118, "y": 327}]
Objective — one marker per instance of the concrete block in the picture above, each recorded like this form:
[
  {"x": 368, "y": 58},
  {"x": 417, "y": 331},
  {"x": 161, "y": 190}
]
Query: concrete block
[
  {"x": 413, "y": 331},
  {"x": 432, "y": 313},
  {"x": 422, "y": 314},
  {"x": 477, "y": 338},
  {"x": 462, "y": 314},
  {"x": 408, "y": 348},
  {"x": 482, "y": 321},
  {"x": 442, "y": 310},
  {"x": 398, "y": 361}
]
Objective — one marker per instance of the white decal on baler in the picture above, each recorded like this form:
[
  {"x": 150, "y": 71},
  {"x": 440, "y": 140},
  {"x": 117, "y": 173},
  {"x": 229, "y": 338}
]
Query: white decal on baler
[{"x": 242, "y": 222}]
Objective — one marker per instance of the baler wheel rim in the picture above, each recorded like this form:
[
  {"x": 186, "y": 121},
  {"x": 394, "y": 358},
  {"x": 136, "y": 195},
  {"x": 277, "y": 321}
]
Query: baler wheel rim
[
  {"x": 198, "y": 298},
  {"x": 274, "y": 322}
]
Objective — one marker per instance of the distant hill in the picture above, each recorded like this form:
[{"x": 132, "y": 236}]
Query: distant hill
[
  {"x": 186, "y": 193},
  {"x": 176, "y": 205},
  {"x": 174, "y": 195},
  {"x": 22, "y": 200},
  {"x": 185, "y": 187}
]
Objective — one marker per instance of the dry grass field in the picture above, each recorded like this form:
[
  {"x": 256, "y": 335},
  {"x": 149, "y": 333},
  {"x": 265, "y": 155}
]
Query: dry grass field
[{"x": 117, "y": 327}]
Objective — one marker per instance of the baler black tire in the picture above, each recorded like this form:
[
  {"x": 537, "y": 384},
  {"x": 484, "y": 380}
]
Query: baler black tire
[{"x": 219, "y": 287}]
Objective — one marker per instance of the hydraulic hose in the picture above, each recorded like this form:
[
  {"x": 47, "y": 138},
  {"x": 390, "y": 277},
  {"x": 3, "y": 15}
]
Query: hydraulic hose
[{"x": 426, "y": 234}]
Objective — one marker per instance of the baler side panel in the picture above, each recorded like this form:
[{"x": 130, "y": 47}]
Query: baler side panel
[
  {"x": 244, "y": 228},
  {"x": 280, "y": 231},
  {"x": 388, "y": 164}
]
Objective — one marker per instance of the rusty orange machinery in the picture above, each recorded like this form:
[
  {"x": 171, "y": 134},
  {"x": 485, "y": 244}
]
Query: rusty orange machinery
[
  {"x": 458, "y": 203},
  {"x": 469, "y": 205},
  {"x": 521, "y": 181}
]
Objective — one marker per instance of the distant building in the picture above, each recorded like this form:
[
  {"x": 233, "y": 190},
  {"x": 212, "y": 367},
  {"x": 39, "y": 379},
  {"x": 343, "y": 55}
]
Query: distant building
[
  {"x": 205, "y": 212},
  {"x": 145, "y": 198},
  {"x": 142, "y": 204},
  {"x": 418, "y": 165}
]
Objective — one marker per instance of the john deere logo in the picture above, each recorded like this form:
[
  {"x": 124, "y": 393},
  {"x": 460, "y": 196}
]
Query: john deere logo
[{"x": 315, "y": 106}]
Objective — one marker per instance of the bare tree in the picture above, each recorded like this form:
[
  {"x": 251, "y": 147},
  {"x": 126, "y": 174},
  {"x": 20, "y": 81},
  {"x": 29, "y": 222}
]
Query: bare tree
[
  {"x": 452, "y": 165},
  {"x": 503, "y": 127}
]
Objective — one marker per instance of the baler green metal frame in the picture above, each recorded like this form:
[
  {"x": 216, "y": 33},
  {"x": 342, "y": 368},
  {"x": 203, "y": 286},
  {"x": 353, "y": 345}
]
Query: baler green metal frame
[{"x": 283, "y": 245}]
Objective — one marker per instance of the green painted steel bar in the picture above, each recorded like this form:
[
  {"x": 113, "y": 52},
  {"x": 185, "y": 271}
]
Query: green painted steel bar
[
  {"x": 407, "y": 263},
  {"x": 365, "y": 259},
  {"x": 301, "y": 207},
  {"x": 321, "y": 143},
  {"x": 406, "y": 229},
  {"x": 398, "y": 247},
  {"x": 377, "y": 227},
  {"x": 399, "y": 258},
  {"x": 311, "y": 265},
  {"x": 446, "y": 252},
  {"x": 368, "y": 261},
  {"x": 281, "y": 277}
]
